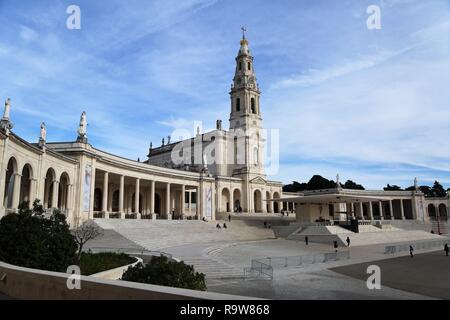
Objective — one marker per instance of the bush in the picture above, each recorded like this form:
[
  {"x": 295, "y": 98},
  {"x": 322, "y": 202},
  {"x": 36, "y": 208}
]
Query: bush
[
  {"x": 91, "y": 263},
  {"x": 162, "y": 271},
  {"x": 28, "y": 239}
]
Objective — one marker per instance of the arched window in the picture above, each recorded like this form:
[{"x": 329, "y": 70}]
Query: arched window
[
  {"x": 238, "y": 104},
  {"x": 240, "y": 65},
  {"x": 252, "y": 102},
  {"x": 256, "y": 156},
  {"x": 249, "y": 66}
]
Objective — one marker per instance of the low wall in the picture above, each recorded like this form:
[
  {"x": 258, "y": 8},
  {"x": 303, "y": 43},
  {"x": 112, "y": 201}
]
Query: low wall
[
  {"x": 116, "y": 273},
  {"x": 25, "y": 283}
]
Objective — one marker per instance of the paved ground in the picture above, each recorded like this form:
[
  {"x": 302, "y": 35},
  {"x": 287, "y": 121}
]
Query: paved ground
[
  {"x": 427, "y": 274},
  {"x": 312, "y": 281},
  {"x": 309, "y": 285}
]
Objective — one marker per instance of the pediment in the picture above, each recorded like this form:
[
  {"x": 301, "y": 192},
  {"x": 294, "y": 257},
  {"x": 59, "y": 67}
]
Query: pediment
[{"x": 258, "y": 180}]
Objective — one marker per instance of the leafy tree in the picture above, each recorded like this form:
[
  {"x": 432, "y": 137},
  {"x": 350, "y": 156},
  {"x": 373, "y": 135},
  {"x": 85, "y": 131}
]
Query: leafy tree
[
  {"x": 318, "y": 182},
  {"x": 28, "y": 239},
  {"x": 164, "y": 272},
  {"x": 349, "y": 184},
  {"x": 294, "y": 187},
  {"x": 437, "y": 190},
  {"x": 392, "y": 188}
]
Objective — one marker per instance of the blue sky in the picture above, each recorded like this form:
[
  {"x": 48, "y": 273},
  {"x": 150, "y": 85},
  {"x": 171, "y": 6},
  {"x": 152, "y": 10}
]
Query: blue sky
[{"x": 373, "y": 105}]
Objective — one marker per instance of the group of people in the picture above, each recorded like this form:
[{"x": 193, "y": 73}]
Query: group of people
[{"x": 219, "y": 227}]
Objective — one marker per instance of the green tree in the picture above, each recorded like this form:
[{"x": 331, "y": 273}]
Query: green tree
[
  {"x": 392, "y": 188},
  {"x": 164, "y": 272},
  {"x": 318, "y": 182},
  {"x": 437, "y": 190},
  {"x": 294, "y": 187},
  {"x": 349, "y": 184},
  {"x": 28, "y": 239}
]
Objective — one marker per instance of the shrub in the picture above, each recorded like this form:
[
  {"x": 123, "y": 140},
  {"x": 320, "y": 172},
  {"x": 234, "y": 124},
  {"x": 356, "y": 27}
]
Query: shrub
[
  {"x": 162, "y": 271},
  {"x": 91, "y": 263},
  {"x": 28, "y": 239}
]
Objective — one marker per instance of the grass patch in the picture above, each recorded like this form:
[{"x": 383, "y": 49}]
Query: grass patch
[{"x": 91, "y": 263}]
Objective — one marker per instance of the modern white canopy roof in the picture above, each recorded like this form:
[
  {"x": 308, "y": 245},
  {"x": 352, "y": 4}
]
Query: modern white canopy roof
[{"x": 340, "y": 195}]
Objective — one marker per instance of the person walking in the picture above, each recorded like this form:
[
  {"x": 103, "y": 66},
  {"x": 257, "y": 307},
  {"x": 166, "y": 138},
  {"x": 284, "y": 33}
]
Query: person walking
[
  {"x": 306, "y": 240},
  {"x": 335, "y": 245},
  {"x": 446, "y": 249},
  {"x": 229, "y": 218},
  {"x": 411, "y": 251},
  {"x": 224, "y": 225},
  {"x": 348, "y": 241},
  {"x": 218, "y": 226}
]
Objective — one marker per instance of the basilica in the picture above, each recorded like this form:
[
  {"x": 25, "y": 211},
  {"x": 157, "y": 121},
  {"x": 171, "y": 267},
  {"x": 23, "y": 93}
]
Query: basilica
[
  {"x": 214, "y": 173},
  {"x": 221, "y": 171}
]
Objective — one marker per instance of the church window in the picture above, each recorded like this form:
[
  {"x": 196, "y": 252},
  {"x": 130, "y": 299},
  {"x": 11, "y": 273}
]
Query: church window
[
  {"x": 249, "y": 67},
  {"x": 240, "y": 65},
  {"x": 256, "y": 156},
  {"x": 253, "y": 105},
  {"x": 238, "y": 104}
]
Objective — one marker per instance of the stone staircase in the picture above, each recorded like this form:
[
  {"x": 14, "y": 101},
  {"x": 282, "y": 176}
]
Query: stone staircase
[
  {"x": 368, "y": 235},
  {"x": 371, "y": 238},
  {"x": 214, "y": 269},
  {"x": 159, "y": 234}
]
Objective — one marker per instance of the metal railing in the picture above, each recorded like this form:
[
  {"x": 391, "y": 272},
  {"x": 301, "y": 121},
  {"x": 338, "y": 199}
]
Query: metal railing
[
  {"x": 291, "y": 261},
  {"x": 425, "y": 245},
  {"x": 259, "y": 269},
  {"x": 263, "y": 267}
]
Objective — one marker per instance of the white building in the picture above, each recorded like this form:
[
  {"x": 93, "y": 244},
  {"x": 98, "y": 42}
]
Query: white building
[{"x": 221, "y": 171}]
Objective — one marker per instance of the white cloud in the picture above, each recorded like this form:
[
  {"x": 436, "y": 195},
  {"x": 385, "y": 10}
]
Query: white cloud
[{"x": 27, "y": 34}]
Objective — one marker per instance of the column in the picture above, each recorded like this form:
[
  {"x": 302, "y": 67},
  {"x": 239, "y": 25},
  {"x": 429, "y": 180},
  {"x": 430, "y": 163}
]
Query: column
[
  {"x": 110, "y": 197},
  {"x": 402, "y": 210},
  {"x": 264, "y": 201},
  {"x": 121, "y": 191},
  {"x": 183, "y": 199},
  {"x": 31, "y": 195},
  {"x": 370, "y": 210},
  {"x": 16, "y": 190},
  {"x": 361, "y": 209},
  {"x": 352, "y": 209},
  {"x": 231, "y": 200},
  {"x": 391, "y": 209},
  {"x": 105, "y": 193},
  {"x": 144, "y": 201},
  {"x": 189, "y": 202},
  {"x": 167, "y": 200},
  {"x": 380, "y": 204},
  {"x": 69, "y": 198},
  {"x": 152, "y": 197},
  {"x": 55, "y": 194},
  {"x": 91, "y": 202},
  {"x": 198, "y": 204},
  {"x": 136, "y": 196},
  {"x": 271, "y": 205}
]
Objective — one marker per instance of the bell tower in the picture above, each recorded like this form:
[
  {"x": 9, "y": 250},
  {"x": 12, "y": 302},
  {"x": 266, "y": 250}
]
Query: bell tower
[{"x": 245, "y": 115}]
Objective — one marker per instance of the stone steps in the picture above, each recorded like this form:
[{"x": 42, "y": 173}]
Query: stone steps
[
  {"x": 214, "y": 269},
  {"x": 159, "y": 234},
  {"x": 370, "y": 238}
]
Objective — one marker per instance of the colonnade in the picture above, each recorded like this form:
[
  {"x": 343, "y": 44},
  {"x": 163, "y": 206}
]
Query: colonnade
[{"x": 132, "y": 197}]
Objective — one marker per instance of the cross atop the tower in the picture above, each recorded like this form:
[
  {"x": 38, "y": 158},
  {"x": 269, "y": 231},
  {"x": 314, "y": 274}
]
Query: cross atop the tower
[{"x": 243, "y": 32}]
